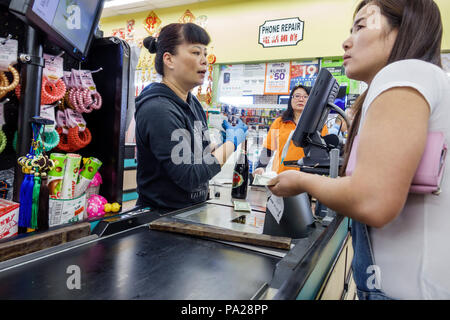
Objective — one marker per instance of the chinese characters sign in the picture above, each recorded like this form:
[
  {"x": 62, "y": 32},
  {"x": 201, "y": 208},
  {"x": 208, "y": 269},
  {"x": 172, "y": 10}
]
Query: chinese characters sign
[{"x": 281, "y": 33}]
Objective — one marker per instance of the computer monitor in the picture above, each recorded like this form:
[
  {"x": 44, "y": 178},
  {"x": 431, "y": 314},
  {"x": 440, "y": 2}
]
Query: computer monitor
[
  {"x": 71, "y": 25},
  {"x": 308, "y": 131}
]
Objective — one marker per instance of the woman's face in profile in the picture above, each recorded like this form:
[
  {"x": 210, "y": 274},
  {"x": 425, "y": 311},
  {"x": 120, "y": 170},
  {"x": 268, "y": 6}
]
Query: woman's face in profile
[
  {"x": 299, "y": 99},
  {"x": 370, "y": 43},
  {"x": 190, "y": 64}
]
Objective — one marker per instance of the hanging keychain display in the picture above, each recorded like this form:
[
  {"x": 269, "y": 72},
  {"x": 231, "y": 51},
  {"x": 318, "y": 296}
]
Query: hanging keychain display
[{"x": 34, "y": 191}]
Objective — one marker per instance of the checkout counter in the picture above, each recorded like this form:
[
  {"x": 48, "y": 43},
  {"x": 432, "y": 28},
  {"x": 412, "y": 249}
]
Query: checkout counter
[{"x": 123, "y": 258}]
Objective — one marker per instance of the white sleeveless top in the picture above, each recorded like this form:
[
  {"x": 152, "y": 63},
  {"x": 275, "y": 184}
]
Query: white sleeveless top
[{"x": 413, "y": 251}]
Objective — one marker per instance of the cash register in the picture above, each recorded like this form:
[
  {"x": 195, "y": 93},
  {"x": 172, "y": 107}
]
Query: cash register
[{"x": 297, "y": 219}]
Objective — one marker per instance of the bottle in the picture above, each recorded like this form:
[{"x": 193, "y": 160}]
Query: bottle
[{"x": 240, "y": 174}]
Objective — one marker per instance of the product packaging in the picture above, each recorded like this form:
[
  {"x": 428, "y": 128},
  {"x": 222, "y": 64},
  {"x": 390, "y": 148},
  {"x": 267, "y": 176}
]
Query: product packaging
[
  {"x": 55, "y": 176},
  {"x": 87, "y": 174},
  {"x": 9, "y": 218},
  {"x": 65, "y": 211},
  {"x": 70, "y": 176}
]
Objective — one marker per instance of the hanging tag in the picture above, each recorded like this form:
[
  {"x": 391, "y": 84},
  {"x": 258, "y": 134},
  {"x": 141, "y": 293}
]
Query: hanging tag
[
  {"x": 61, "y": 121},
  {"x": 276, "y": 207},
  {"x": 2, "y": 114},
  {"x": 76, "y": 79},
  {"x": 75, "y": 119},
  {"x": 8, "y": 53},
  {"x": 67, "y": 78},
  {"x": 54, "y": 67},
  {"x": 48, "y": 112},
  {"x": 88, "y": 81}
]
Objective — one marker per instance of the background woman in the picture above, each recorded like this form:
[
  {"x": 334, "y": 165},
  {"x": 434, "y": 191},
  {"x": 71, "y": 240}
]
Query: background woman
[
  {"x": 279, "y": 133},
  {"x": 400, "y": 239}
]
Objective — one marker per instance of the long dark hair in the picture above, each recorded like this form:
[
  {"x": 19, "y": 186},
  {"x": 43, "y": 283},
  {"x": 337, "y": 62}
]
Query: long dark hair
[
  {"x": 172, "y": 36},
  {"x": 288, "y": 114},
  {"x": 419, "y": 37}
]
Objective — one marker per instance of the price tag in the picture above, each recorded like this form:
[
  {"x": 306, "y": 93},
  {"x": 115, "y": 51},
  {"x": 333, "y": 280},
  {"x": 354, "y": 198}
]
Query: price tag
[
  {"x": 67, "y": 78},
  {"x": 8, "y": 53},
  {"x": 48, "y": 112},
  {"x": 74, "y": 119},
  {"x": 88, "y": 81},
  {"x": 54, "y": 67},
  {"x": 76, "y": 79},
  {"x": 276, "y": 207},
  {"x": 61, "y": 121}
]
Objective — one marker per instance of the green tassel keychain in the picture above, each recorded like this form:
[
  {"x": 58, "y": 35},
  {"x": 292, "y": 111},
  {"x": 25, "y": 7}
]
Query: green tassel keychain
[{"x": 35, "y": 205}]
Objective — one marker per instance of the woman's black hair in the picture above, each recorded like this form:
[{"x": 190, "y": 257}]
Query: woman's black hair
[
  {"x": 288, "y": 114},
  {"x": 172, "y": 36}
]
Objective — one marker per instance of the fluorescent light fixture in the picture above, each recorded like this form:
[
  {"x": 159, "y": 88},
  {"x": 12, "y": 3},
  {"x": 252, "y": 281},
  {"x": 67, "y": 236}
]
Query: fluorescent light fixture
[
  {"x": 237, "y": 101},
  {"x": 119, "y": 3}
]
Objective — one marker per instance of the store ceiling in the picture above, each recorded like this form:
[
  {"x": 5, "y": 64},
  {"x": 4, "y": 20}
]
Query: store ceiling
[{"x": 117, "y": 7}]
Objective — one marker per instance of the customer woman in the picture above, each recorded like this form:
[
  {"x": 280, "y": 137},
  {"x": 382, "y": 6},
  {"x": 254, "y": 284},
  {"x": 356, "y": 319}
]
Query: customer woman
[
  {"x": 400, "y": 239},
  {"x": 175, "y": 160},
  {"x": 279, "y": 133}
]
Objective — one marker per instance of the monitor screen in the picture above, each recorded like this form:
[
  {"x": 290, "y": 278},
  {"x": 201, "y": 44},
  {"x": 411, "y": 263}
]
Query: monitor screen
[
  {"x": 315, "y": 114},
  {"x": 70, "y": 24}
]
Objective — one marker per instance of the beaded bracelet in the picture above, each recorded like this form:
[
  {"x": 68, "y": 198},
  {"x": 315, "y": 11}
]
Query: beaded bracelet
[
  {"x": 50, "y": 92},
  {"x": 81, "y": 100},
  {"x": 65, "y": 102},
  {"x": 77, "y": 100},
  {"x": 56, "y": 92},
  {"x": 3, "y": 83},
  {"x": 3, "y": 141},
  {"x": 79, "y": 139},
  {"x": 97, "y": 104},
  {"x": 5, "y": 86},
  {"x": 74, "y": 140},
  {"x": 51, "y": 140},
  {"x": 63, "y": 144}
]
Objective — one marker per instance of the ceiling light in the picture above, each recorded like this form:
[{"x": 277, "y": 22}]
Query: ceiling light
[{"x": 119, "y": 3}]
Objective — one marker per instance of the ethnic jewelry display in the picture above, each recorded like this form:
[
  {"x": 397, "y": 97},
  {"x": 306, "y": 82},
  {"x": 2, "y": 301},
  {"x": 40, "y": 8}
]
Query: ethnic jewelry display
[{"x": 34, "y": 194}]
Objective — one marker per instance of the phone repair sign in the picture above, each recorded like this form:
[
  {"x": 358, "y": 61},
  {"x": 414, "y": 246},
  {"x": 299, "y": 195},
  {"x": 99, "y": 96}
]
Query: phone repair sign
[{"x": 281, "y": 32}]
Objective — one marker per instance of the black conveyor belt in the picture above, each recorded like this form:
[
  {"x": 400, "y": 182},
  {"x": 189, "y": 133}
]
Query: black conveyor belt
[{"x": 142, "y": 264}]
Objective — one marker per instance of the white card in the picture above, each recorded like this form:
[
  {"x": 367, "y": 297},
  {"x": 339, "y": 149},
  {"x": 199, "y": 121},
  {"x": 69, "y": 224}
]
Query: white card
[
  {"x": 276, "y": 207},
  {"x": 8, "y": 53},
  {"x": 54, "y": 69},
  {"x": 48, "y": 112}
]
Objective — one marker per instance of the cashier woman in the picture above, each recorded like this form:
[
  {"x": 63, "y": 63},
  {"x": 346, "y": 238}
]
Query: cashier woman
[{"x": 175, "y": 158}]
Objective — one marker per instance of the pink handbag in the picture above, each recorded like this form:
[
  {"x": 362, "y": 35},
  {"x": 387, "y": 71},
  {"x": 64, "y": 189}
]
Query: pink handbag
[{"x": 431, "y": 167}]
